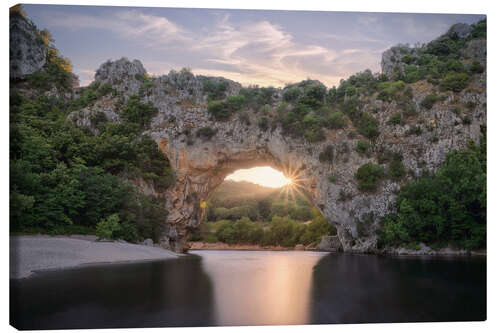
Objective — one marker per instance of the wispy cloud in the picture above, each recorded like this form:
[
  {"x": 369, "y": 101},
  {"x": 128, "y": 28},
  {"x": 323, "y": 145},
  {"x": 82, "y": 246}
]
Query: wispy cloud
[
  {"x": 249, "y": 50},
  {"x": 152, "y": 30},
  {"x": 252, "y": 52},
  {"x": 261, "y": 52}
]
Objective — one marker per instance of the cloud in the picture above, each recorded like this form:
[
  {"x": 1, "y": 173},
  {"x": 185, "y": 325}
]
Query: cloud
[
  {"x": 250, "y": 52},
  {"x": 152, "y": 30},
  {"x": 86, "y": 76},
  {"x": 262, "y": 53}
]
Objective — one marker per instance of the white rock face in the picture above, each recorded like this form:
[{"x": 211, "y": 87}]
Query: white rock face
[
  {"x": 329, "y": 243},
  {"x": 392, "y": 58},
  {"x": 27, "y": 51},
  {"x": 461, "y": 29},
  {"x": 201, "y": 164}
]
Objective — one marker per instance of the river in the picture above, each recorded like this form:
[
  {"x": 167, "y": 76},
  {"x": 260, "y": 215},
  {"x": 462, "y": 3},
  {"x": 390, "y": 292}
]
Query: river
[{"x": 253, "y": 288}]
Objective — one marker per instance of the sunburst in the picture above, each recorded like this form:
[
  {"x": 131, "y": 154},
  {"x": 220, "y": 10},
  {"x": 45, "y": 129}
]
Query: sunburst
[{"x": 296, "y": 181}]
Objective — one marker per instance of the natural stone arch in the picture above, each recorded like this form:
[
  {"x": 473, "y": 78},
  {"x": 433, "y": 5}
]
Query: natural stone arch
[
  {"x": 201, "y": 170},
  {"x": 202, "y": 161}
]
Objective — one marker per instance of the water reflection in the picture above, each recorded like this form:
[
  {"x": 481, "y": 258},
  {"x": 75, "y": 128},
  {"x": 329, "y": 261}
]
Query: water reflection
[
  {"x": 371, "y": 289},
  {"x": 260, "y": 288},
  {"x": 161, "y": 293},
  {"x": 253, "y": 288}
]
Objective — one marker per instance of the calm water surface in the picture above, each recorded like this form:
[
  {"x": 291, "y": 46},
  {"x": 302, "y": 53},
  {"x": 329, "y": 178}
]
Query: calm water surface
[{"x": 253, "y": 288}]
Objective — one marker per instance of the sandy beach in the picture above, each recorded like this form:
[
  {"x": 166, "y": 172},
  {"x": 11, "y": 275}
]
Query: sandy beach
[{"x": 29, "y": 254}]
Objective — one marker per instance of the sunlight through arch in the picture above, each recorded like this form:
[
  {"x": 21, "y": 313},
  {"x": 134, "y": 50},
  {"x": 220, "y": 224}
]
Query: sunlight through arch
[{"x": 264, "y": 176}]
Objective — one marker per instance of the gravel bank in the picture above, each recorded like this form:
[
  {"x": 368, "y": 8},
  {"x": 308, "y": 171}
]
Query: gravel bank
[{"x": 32, "y": 253}]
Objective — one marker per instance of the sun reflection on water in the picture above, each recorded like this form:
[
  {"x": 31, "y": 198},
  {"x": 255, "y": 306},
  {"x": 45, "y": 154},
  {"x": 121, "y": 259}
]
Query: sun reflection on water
[{"x": 256, "y": 288}]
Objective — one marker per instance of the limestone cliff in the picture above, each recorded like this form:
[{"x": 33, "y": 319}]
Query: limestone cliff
[
  {"x": 202, "y": 161},
  {"x": 27, "y": 50}
]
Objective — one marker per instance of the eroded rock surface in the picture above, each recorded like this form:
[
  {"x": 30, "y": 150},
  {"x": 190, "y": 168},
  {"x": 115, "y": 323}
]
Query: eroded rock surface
[
  {"x": 27, "y": 50},
  {"x": 201, "y": 163}
]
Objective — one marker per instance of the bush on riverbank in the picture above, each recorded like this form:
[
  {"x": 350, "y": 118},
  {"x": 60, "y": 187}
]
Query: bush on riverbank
[
  {"x": 281, "y": 231},
  {"x": 446, "y": 208}
]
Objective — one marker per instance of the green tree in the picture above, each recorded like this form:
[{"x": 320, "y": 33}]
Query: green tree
[
  {"x": 107, "y": 228},
  {"x": 446, "y": 208},
  {"x": 368, "y": 176},
  {"x": 137, "y": 112}
]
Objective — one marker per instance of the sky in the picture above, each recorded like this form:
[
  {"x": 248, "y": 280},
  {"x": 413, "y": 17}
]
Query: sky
[
  {"x": 265, "y": 176},
  {"x": 262, "y": 47},
  {"x": 253, "y": 47}
]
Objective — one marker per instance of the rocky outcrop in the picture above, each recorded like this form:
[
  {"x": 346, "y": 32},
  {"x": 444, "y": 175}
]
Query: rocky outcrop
[
  {"x": 392, "y": 59},
  {"x": 476, "y": 49},
  {"x": 202, "y": 163},
  {"x": 461, "y": 30},
  {"x": 27, "y": 51},
  {"x": 424, "y": 250},
  {"x": 330, "y": 243}
]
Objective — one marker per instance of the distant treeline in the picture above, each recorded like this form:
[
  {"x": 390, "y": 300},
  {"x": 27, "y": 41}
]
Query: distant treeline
[{"x": 235, "y": 200}]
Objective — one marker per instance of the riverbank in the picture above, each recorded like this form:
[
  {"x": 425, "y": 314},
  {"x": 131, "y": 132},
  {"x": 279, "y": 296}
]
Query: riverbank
[
  {"x": 224, "y": 246},
  {"x": 422, "y": 251},
  {"x": 29, "y": 254}
]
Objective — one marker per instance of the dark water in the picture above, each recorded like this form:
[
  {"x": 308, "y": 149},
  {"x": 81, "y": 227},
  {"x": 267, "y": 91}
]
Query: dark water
[{"x": 253, "y": 288}]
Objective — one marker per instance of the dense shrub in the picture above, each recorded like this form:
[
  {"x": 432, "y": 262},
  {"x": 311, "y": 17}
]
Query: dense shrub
[
  {"x": 318, "y": 228},
  {"x": 326, "y": 155},
  {"x": 216, "y": 90},
  {"x": 291, "y": 94},
  {"x": 479, "y": 29},
  {"x": 235, "y": 103},
  {"x": 367, "y": 126},
  {"x": 263, "y": 123},
  {"x": 243, "y": 231},
  {"x": 137, "y": 112},
  {"x": 313, "y": 96},
  {"x": 363, "y": 147},
  {"x": 314, "y": 134},
  {"x": 362, "y": 83},
  {"x": 219, "y": 110},
  {"x": 395, "y": 119},
  {"x": 390, "y": 90},
  {"x": 368, "y": 176},
  {"x": 336, "y": 120},
  {"x": 255, "y": 97},
  {"x": 397, "y": 169},
  {"x": 98, "y": 118},
  {"x": 107, "y": 228},
  {"x": 429, "y": 101},
  {"x": 455, "y": 82},
  {"x": 206, "y": 133},
  {"x": 476, "y": 67},
  {"x": 210, "y": 238},
  {"x": 446, "y": 208}
]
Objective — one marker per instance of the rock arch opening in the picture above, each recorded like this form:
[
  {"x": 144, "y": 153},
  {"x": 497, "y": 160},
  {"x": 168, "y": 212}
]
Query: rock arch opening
[
  {"x": 258, "y": 207},
  {"x": 200, "y": 170}
]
